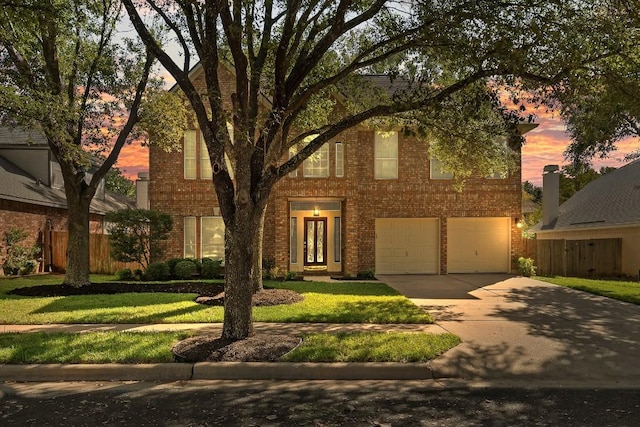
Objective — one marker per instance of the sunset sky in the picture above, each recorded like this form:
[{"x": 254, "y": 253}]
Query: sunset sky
[{"x": 544, "y": 145}]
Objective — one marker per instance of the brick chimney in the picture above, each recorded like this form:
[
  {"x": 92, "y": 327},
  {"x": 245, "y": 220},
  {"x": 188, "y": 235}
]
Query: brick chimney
[
  {"x": 142, "y": 190},
  {"x": 550, "y": 195}
]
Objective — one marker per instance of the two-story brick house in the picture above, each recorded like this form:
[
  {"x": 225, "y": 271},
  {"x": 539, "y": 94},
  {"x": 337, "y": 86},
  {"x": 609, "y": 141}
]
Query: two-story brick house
[{"x": 366, "y": 199}]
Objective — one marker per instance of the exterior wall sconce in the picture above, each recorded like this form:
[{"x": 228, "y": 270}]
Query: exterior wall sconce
[
  {"x": 518, "y": 223},
  {"x": 316, "y": 211}
]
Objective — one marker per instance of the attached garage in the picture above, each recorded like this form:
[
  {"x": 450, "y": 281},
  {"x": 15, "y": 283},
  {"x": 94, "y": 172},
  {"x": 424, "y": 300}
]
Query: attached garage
[
  {"x": 407, "y": 245},
  {"x": 478, "y": 245}
]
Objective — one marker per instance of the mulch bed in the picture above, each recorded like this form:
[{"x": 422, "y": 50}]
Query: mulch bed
[
  {"x": 258, "y": 348},
  {"x": 208, "y": 293}
]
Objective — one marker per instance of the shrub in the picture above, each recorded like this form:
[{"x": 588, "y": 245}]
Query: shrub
[
  {"x": 124, "y": 274},
  {"x": 18, "y": 259},
  {"x": 137, "y": 274},
  {"x": 526, "y": 267},
  {"x": 369, "y": 273},
  {"x": 157, "y": 272},
  {"x": 138, "y": 235},
  {"x": 291, "y": 275},
  {"x": 210, "y": 268},
  {"x": 184, "y": 269},
  {"x": 172, "y": 263}
]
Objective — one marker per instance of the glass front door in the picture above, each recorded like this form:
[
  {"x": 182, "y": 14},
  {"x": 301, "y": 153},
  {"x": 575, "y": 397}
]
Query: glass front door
[{"x": 315, "y": 242}]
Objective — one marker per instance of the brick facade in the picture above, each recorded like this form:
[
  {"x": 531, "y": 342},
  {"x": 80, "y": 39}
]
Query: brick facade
[{"x": 362, "y": 199}]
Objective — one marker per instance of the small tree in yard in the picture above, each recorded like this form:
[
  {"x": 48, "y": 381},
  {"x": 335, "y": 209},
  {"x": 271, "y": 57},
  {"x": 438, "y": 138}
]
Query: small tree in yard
[
  {"x": 18, "y": 258},
  {"x": 137, "y": 235},
  {"x": 292, "y": 60}
]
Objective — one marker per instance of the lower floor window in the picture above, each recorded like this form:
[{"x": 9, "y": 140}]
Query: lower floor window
[
  {"x": 190, "y": 237},
  {"x": 212, "y": 233}
]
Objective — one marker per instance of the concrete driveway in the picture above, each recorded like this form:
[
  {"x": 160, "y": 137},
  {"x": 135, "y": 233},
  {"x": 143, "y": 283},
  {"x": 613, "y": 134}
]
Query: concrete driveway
[{"x": 519, "y": 328}]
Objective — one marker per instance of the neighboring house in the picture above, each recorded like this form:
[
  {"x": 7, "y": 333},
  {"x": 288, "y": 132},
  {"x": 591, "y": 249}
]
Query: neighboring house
[
  {"x": 366, "y": 200},
  {"x": 597, "y": 231},
  {"x": 32, "y": 190}
]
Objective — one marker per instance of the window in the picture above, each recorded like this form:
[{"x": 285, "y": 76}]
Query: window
[
  {"x": 386, "y": 155},
  {"x": 339, "y": 160},
  {"x": 317, "y": 165},
  {"x": 189, "y": 152},
  {"x": 337, "y": 239},
  {"x": 212, "y": 233},
  {"x": 292, "y": 152},
  {"x": 293, "y": 253},
  {"x": 436, "y": 171},
  {"x": 190, "y": 237},
  {"x": 205, "y": 162}
]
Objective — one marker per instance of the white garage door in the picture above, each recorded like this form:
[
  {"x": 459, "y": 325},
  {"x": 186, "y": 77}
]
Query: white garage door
[
  {"x": 407, "y": 245},
  {"x": 478, "y": 245}
]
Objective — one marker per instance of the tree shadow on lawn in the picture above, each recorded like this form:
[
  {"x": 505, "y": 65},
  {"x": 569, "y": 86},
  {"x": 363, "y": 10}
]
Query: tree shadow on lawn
[{"x": 110, "y": 302}]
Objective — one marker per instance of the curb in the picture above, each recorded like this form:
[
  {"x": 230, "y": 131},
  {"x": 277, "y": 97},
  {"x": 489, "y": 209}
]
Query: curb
[{"x": 216, "y": 371}]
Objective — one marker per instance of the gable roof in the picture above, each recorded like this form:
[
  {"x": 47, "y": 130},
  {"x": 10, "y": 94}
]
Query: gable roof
[
  {"x": 17, "y": 185},
  {"x": 611, "y": 200},
  {"x": 17, "y": 136}
]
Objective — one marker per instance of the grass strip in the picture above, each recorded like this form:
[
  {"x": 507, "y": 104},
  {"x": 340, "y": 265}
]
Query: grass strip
[
  {"x": 623, "y": 291},
  {"x": 372, "y": 347},
  {"x": 155, "y": 347},
  {"x": 90, "y": 347}
]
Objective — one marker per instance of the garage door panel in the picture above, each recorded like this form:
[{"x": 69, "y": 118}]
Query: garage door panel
[
  {"x": 407, "y": 245},
  {"x": 478, "y": 245}
]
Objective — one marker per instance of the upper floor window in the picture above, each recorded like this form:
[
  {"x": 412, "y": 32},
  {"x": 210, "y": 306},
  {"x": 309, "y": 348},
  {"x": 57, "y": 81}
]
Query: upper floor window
[
  {"x": 386, "y": 155},
  {"x": 316, "y": 165},
  {"x": 205, "y": 163},
  {"x": 292, "y": 152},
  {"x": 189, "y": 152},
  {"x": 436, "y": 170},
  {"x": 339, "y": 160}
]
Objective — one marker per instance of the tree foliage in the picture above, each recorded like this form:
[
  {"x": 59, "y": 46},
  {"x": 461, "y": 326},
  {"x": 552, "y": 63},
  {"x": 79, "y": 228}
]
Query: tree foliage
[
  {"x": 116, "y": 182},
  {"x": 138, "y": 235},
  {"x": 304, "y": 68}
]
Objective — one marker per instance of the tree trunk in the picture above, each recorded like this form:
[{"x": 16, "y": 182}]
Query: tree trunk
[
  {"x": 256, "y": 280},
  {"x": 239, "y": 273},
  {"x": 77, "y": 268}
]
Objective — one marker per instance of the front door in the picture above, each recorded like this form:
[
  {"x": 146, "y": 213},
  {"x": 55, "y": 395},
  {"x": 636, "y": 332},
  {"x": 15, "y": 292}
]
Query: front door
[{"x": 315, "y": 242}]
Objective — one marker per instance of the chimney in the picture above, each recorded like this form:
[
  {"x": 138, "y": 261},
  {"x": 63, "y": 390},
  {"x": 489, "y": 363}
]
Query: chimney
[
  {"x": 550, "y": 195},
  {"x": 142, "y": 190}
]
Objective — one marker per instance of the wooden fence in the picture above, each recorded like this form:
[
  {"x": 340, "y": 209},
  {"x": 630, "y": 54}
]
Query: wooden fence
[
  {"x": 100, "y": 260},
  {"x": 529, "y": 248},
  {"x": 579, "y": 258}
]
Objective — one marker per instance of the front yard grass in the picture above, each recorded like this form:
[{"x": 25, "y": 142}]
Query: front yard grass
[
  {"x": 155, "y": 347},
  {"x": 324, "y": 302},
  {"x": 623, "y": 291}
]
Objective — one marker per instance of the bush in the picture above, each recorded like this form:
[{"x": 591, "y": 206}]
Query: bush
[
  {"x": 175, "y": 261},
  {"x": 184, "y": 269},
  {"x": 157, "y": 272},
  {"x": 124, "y": 274},
  {"x": 369, "y": 273},
  {"x": 291, "y": 275},
  {"x": 526, "y": 267},
  {"x": 18, "y": 259},
  {"x": 137, "y": 274},
  {"x": 211, "y": 269}
]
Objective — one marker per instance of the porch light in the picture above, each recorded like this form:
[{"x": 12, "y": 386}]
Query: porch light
[
  {"x": 518, "y": 223},
  {"x": 316, "y": 211}
]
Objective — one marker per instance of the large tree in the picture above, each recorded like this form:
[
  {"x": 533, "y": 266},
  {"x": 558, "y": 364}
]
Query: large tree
[
  {"x": 64, "y": 72},
  {"x": 447, "y": 62}
]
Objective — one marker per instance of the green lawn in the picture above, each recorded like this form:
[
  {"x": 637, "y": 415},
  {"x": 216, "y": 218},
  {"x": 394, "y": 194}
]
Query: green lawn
[
  {"x": 623, "y": 291},
  {"x": 155, "y": 347},
  {"x": 324, "y": 302}
]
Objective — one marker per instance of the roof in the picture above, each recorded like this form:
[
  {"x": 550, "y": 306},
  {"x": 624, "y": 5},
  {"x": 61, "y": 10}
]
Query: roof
[
  {"x": 17, "y": 136},
  {"x": 17, "y": 185},
  {"x": 609, "y": 201}
]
